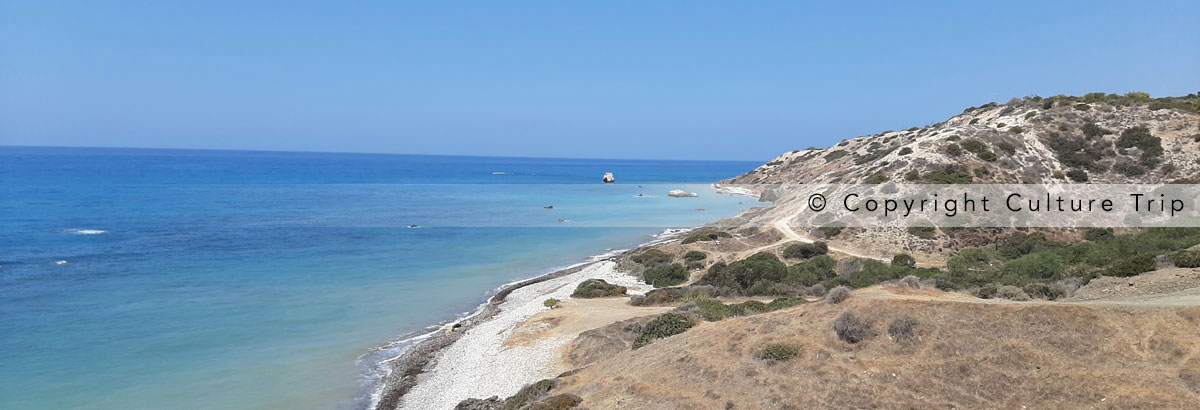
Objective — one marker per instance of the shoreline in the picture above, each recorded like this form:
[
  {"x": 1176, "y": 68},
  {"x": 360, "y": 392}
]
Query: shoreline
[{"x": 419, "y": 358}]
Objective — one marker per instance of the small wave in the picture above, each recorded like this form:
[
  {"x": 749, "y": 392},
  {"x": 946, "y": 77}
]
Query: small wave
[{"x": 84, "y": 231}]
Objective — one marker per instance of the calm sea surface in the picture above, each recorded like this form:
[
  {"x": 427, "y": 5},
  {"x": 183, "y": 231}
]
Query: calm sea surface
[{"x": 265, "y": 280}]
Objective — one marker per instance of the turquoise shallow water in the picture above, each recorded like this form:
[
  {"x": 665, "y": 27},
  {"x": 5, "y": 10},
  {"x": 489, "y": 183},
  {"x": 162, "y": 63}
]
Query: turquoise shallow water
[{"x": 262, "y": 280}]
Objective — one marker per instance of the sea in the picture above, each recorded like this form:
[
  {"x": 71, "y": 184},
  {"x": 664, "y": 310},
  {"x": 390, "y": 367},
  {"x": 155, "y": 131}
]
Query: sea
[{"x": 206, "y": 279}]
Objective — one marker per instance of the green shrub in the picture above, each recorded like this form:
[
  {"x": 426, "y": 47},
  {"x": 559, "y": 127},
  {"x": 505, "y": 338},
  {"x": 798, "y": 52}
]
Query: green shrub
[
  {"x": 877, "y": 178},
  {"x": 912, "y": 175},
  {"x": 1098, "y": 234},
  {"x": 1082, "y": 107},
  {"x": 762, "y": 266},
  {"x": 693, "y": 256},
  {"x": 835, "y": 154},
  {"x": 666, "y": 275},
  {"x": 901, "y": 329},
  {"x": 598, "y": 288},
  {"x": 954, "y": 150},
  {"x": 665, "y": 325},
  {"x": 551, "y": 303},
  {"x": 1140, "y": 137},
  {"x": 1132, "y": 265},
  {"x": 1007, "y": 148},
  {"x": 778, "y": 352},
  {"x": 1187, "y": 259},
  {"x": 1042, "y": 265},
  {"x": 1020, "y": 243},
  {"x": 705, "y": 236},
  {"x": 830, "y": 231},
  {"x": 850, "y": 329},
  {"x": 923, "y": 232},
  {"x": 1044, "y": 291},
  {"x": 812, "y": 271},
  {"x": 1016, "y": 129},
  {"x": 903, "y": 259},
  {"x": 1092, "y": 130},
  {"x": 904, "y": 151},
  {"x": 652, "y": 257},
  {"x": 987, "y": 156},
  {"x": 529, "y": 394},
  {"x": 950, "y": 174},
  {"x": 782, "y": 303},
  {"x": 1077, "y": 175},
  {"x": 713, "y": 310},
  {"x": 805, "y": 250}
]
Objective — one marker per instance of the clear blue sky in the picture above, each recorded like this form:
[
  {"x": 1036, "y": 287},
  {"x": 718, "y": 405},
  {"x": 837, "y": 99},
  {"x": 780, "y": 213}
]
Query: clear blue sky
[{"x": 608, "y": 79}]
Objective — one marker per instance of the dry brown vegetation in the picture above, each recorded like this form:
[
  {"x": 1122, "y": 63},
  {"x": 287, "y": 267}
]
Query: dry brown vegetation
[{"x": 961, "y": 352}]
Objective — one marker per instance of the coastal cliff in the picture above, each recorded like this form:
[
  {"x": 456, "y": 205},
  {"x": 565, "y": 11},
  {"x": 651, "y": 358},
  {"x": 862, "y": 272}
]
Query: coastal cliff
[{"x": 750, "y": 312}]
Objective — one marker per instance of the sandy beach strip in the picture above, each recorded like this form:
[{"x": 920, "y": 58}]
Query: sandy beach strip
[
  {"x": 480, "y": 365},
  {"x": 470, "y": 358}
]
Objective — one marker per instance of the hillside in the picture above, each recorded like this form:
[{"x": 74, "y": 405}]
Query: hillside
[
  {"x": 771, "y": 314},
  {"x": 1095, "y": 138}
]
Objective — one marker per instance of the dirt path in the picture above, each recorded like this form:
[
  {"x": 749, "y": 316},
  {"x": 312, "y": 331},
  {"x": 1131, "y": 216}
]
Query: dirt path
[
  {"x": 790, "y": 235},
  {"x": 1182, "y": 298}
]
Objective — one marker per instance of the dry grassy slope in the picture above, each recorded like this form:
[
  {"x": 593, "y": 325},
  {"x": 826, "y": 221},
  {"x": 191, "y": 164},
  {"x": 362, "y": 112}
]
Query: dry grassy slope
[
  {"x": 1031, "y": 162},
  {"x": 970, "y": 354}
]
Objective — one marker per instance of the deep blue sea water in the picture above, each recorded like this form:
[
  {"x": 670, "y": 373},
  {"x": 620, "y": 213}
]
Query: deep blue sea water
[{"x": 262, "y": 280}]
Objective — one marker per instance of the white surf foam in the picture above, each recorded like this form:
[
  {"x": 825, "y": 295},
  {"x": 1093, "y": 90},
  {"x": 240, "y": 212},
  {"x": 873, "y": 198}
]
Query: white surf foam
[{"x": 74, "y": 231}]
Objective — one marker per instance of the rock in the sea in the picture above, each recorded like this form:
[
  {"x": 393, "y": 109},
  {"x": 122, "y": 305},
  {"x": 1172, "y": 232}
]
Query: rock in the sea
[
  {"x": 608, "y": 177},
  {"x": 679, "y": 193}
]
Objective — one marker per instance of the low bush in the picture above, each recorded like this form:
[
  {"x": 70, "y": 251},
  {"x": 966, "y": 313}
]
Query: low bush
[
  {"x": 1011, "y": 293},
  {"x": 950, "y": 174},
  {"x": 652, "y": 257},
  {"x": 743, "y": 274},
  {"x": 665, "y": 325},
  {"x": 903, "y": 259},
  {"x": 598, "y": 288},
  {"x": 1091, "y": 130},
  {"x": 778, "y": 352},
  {"x": 910, "y": 281},
  {"x": 912, "y": 175},
  {"x": 1187, "y": 259},
  {"x": 529, "y": 394},
  {"x": 1007, "y": 148},
  {"x": 705, "y": 236},
  {"x": 805, "y": 250},
  {"x": 834, "y": 155},
  {"x": 830, "y": 231},
  {"x": 1016, "y": 129},
  {"x": 850, "y": 329},
  {"x": 904, "y": 151},
  {"x": 838, "y": 295},
  {"x": 692, "y": 256},
  {"x": 557, "y": 402},
  {"x": 551, "y": 303},
  {"x": 923, "y": 232},
  {"x": 1132, "y": 265},
  {"x": 1044, "y": 291},
  {"x": 1077, "y": 175},
  {"x": 901, "y": 329},
  {"x": 954, "y": 150},
  {"x": 876, "y": 178},
  {"x": 1098, "y": 234},
  {"x": 666, "y": 275}
]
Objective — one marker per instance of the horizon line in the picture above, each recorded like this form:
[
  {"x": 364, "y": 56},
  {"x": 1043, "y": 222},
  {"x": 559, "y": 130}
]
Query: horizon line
[{"x": 368, "y": 153}]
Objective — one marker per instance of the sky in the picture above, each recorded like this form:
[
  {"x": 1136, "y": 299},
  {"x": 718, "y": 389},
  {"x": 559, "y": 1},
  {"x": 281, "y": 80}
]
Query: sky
[{"x": 609, "y": 79}]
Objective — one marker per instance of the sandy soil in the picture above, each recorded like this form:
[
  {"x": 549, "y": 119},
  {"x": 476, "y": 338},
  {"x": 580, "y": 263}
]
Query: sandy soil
[{"x": 574, "y": 316}]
